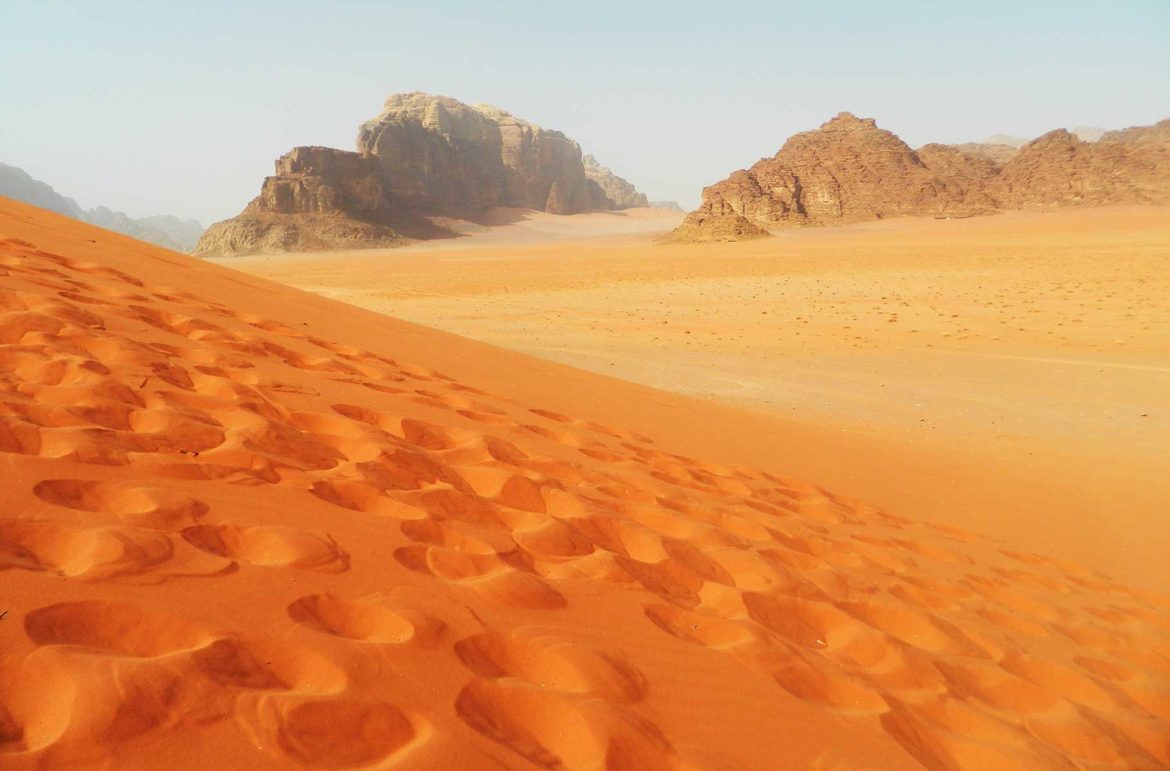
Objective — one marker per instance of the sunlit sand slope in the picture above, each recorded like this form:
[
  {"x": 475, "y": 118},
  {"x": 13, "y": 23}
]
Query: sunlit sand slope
[{"x": 228, "y": 540}]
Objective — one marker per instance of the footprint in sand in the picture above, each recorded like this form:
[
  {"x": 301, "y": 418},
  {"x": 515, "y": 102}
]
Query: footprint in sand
[
  {"x": 267, "y": 664},
  {"x": 550, "y": 662},
  {"x": 336, "y": 733},
  {"x": 557, "y": 730},
  {"x": 269, "y": 546},
  {"x": 87, "y": 554},
  {"x": 363, "y": 620},
  {"x": 115, "y": 628},
  {"x": 142, "y": 506}
]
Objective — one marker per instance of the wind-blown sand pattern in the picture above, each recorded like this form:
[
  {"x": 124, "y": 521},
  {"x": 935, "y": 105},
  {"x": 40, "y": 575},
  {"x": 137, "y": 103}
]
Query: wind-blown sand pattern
[{"x": 243, "y": 527}]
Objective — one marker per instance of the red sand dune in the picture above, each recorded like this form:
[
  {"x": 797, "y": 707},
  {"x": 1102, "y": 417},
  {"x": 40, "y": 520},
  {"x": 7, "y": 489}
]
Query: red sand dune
[{"x": 246, "y": 527}]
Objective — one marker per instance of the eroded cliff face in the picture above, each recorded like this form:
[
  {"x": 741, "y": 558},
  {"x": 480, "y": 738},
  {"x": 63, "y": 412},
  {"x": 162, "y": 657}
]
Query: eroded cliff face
[
  {"x": 422, "y": 155},
  {"x": 319, "y": 198},
  {"x": 438, "y": 154},
  {"x": 612, "y": 191},
  {"x": 322, "y": 180},
  {"x": 850, "y": 170}
]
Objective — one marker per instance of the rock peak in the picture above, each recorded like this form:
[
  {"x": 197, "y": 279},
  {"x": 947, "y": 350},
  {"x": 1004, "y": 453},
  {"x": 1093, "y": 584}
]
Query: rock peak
[{"x": 845, "y": 119}]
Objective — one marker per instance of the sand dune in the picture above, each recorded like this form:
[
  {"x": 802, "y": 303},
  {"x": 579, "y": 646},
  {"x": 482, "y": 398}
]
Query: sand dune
[
  {"x": 248, "y": 527},
  {"x": 934, "y": 355}
]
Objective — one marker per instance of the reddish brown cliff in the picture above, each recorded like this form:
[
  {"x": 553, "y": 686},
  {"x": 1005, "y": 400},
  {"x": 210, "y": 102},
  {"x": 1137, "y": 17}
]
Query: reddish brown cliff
[
  {"x": 319, "y": 198},
  {"x": 1058, "y": 169},
  {"x": 850, "y": 170}
]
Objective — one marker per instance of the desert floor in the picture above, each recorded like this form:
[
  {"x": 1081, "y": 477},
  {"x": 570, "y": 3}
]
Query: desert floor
[
  {"x": 1007, "y": 373},
  {"x": 245, "y": 527}
]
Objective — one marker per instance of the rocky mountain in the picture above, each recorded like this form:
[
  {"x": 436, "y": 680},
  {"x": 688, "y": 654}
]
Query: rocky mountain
[
  {"x": 1058, "y": 169},
  {"x": 422, "y": 156},
  {"x": 319, "y": 198},
  {"x": 850, "y": 170},
  {"x": 19, "y": 185},
  {"x": 164, "y": 230},
  {"x": 1159, "y": 133},
  {"x": 666, "y": 205},
  {"x": 619, "y": 193}
]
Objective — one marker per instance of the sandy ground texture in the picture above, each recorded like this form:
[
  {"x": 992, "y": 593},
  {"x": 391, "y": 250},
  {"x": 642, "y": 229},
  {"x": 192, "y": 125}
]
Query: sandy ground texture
[
  {"x": 1008, "y": 373},
  {"x": 245, "y": 527}
]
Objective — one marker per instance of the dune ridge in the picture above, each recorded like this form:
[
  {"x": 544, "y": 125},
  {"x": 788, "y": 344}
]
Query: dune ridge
[{"x": 232, "y": 539}]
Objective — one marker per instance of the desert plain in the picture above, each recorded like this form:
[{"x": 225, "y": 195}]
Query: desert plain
[{"x": 1008, "y": 373}]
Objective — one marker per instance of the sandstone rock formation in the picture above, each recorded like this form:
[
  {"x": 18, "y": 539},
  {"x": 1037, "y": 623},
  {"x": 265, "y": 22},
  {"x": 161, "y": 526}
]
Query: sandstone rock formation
[
  {"x": 666, "y": 205},
  {"x": 850, "y": 170},
  {"x": 164, "y": 230},
  {"x": 612, "y": 191},
  {"x": 1058, "y": 169},
  {"x": 1159, "y": 133},
  {"x": 422, "y": 156},
  {"x": 440, "y": 155},
  {"x": 701, "y": 225},
  {"x": 319, "y": 198}
]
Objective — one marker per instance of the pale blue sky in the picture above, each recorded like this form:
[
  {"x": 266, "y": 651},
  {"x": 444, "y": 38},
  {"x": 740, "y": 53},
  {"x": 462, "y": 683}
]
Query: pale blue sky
[{"x": 181, "y": 108}]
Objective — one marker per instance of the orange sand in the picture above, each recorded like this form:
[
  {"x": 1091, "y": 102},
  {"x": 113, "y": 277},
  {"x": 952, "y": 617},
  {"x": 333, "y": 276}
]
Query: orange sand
[
  {"x": 1008, "y": 373},
  {"x": 247, "y": 527}
]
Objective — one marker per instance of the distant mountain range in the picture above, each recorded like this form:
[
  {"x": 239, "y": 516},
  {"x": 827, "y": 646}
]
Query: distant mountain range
[
  {"x": 849, "y": 170},
  {"x": 164, "y": 229}
]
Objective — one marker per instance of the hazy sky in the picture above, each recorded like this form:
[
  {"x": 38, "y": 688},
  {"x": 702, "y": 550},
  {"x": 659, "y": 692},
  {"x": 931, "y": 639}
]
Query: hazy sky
[{"x": 181, "y": 107}]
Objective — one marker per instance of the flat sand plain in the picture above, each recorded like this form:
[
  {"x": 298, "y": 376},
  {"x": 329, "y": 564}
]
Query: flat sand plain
[
  {"x": 1009, "y": 373},
  {"x": 246, "y": 527}
]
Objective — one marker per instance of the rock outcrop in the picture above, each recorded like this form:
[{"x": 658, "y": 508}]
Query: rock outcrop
[
  {"x": 850, "y": 170},
  {"x": 1159, "y": 133},
  {"x": 319, "y": 199},
  {"x": 612, "y": 192},
  {"x": 442, "y": 156},
  {"x": 666, "y": 206},
  {"x": 1058, "y": 169},
  {"x": 164, "y": 230},
  {"x": 701, "y": 225},
  {"x": 422, "y": 156}
]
